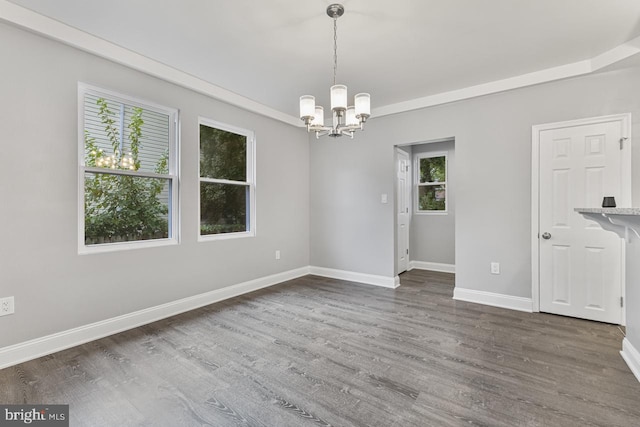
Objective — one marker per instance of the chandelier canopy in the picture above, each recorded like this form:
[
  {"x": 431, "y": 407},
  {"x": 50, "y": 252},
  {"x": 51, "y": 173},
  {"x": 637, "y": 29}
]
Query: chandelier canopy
[{"x": 346, "y": 118}]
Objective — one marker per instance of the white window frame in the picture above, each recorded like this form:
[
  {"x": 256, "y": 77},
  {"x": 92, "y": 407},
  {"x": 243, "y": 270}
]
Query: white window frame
[
  {"x": 173, "y": 175},
  {"x": 418, "y": 184},
  {"x": 250, "y": 182}
]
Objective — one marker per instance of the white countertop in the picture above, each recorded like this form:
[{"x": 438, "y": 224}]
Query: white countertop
[{"x": 609, "y": 211}]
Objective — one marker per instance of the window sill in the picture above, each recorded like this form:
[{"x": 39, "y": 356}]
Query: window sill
[
  {"x": 431, "y": 213},
  {"x": 225, "y": 236},
  {"x": 124, "y": 246}
]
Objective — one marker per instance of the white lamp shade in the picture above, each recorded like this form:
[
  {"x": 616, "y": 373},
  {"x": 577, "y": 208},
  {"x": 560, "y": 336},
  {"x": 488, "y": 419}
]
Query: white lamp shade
[
  {"x": 318, "y": 117},
  {"x": 339, "y": 97},
  {"x": 351, "y": 117},
  {"x": 307, "y": 106},
  {"x": 363, "y": 104}
]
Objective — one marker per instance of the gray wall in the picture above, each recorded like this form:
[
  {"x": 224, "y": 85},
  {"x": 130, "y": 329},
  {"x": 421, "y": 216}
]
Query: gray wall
[
  {"x": 56, "y": 289},
  {"x": 432, "y": 237},
  {"x": 351, "y": 230}
]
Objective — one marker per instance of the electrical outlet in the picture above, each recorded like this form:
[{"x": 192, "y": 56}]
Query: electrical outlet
[
  {"x": 495, "y": 268},
  {"x": 277, "y": 254},
  {"x": 6, "y": 306}
]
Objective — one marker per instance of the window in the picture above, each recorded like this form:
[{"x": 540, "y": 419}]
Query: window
[
  {"x": 431, "y": 183},
  {"x": 128, "y": 172},
  {"x": 227, "y": 187}
]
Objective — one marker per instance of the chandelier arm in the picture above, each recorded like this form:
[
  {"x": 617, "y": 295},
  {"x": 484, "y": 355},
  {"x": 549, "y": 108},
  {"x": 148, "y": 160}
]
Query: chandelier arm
[
  {"x": 323, "y": 133},
  {"x": 346, "y": 131},
  {"x": 319, "y": 128}
]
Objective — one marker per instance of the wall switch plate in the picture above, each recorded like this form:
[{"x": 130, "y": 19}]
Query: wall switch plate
[
  {"x": 384, "y": 198},
  {"x": 277, "y": 254},
  {"x": 495, "y": 268},
  {"x": 7, "y": 306}
]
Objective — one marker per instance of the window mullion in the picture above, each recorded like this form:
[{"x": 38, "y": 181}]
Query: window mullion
[
  {"x": 138, "y": 173},
  {"x": 223, "y": 181}
]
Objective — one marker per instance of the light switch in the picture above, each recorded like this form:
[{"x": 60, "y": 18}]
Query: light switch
[{"x": 383, "y": 198}]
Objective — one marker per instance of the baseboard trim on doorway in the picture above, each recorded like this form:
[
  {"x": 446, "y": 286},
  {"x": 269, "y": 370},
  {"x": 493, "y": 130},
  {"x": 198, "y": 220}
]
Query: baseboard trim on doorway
[
  {"x": 632, "y": 356},
  {"x": 352, "y": 276},
  {"x": 493, "y": 299},
  {"x": 432, "y": 266}
]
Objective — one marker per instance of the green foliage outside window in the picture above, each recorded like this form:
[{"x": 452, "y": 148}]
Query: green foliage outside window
[
  {"x": 223, "y": 205},
  {"x": 119, "y": 207},
  {"x": 433, "y": 169},
  {"x": 431, "y": 194},
  {"x": 432, "y": 198}
]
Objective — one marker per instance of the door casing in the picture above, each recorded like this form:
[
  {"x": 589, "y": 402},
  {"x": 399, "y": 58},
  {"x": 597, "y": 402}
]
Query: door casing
[{"x": 625, "y": 121}]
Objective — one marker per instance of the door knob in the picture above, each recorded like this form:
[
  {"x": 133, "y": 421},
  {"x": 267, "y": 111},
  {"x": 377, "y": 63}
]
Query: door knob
[{"x": 546, "y": 235}]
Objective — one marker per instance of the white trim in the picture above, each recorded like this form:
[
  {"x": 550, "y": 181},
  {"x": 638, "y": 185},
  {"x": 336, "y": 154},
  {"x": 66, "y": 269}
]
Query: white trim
[
  {"x": 48, "y": 27},
  {"x": 632, "y": 356},
  {"x": 625, "y": 173},
  {"x": 493, "y": 299},
  {"x": 38, "y": 347},
  {"x": 32, "y": 349},
  {"x": 71, "y": 36},
  {"x": 432, "y": 266},
  {"x": 416, "y": 179},
  {"x": 535, "y": 219},
  {"x": 407, "y": 191},
  {"x": 250, "y": 182},
  {"x": 369, "y": 279},
  {"x": 100, "y": 248},
  {"x": 172, "y": 176},
  {"x": 587, "y": 66}
]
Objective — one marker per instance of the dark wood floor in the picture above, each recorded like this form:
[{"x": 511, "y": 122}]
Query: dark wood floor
[{"x": 317, "y": 351}]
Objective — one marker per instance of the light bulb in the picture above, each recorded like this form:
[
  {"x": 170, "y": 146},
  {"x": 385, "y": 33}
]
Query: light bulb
[
  {"x": 318, "y": 117},
  {"x": 338, "y": 97},
  {"x": 363, "y": 105},
  {"x": 307, "y": 106},
  {"x": 351, "y": 117}
]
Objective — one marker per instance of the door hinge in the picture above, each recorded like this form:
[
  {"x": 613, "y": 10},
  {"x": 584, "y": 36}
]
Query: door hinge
[
  {"x": 622, "y": 140},
  {"x": 407, "y": 210},
  {"x": 407, "y": 251},
  {"x": 621, "y": 301},
  {"x": 406, "y": 168}
]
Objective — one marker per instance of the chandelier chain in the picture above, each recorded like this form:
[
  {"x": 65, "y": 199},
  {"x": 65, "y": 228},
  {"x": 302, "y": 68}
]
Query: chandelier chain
[{"x": 335, "y": 48}]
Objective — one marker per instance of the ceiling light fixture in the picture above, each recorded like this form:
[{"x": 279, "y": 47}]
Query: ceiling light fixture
[{"x": 346, "y": 119}]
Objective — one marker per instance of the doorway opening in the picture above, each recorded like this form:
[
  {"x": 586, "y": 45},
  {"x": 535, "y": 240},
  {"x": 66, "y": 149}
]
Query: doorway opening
[{"x": 425, "y": 206}]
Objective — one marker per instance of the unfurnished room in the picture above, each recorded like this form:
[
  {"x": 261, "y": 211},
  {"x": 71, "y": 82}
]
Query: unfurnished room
[{"x": 308, "y": 213}]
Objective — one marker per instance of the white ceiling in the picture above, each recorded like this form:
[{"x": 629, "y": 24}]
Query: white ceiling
[{"x": 274, "y": 51}]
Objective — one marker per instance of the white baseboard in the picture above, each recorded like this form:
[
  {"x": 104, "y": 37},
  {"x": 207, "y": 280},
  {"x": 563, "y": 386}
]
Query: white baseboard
[
  {"x": 369, "y": 279},
  {"x": 432, "y": 266},
  {"x": 490, "y": 298},
  {"x": 32, "y": 349},
  {"x": 38, "y": 347},
  {"x": 632, "y": 356}
]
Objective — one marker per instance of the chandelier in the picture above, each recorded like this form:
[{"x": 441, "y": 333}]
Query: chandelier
[{"x": 346, "y": 119}]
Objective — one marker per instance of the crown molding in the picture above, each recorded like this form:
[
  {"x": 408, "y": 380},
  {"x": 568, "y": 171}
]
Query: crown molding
[
  {"x": 56, "y": 30},
  {"x": 575, "y": 69}
]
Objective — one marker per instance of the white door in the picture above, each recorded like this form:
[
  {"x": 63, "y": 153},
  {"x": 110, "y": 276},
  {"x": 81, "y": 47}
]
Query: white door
[
  {"x": 403, "y": 201},
  {"x": 581, "y": 264}
]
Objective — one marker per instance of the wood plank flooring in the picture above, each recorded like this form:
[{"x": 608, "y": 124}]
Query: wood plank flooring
[{"x": 323, "y": 352}]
